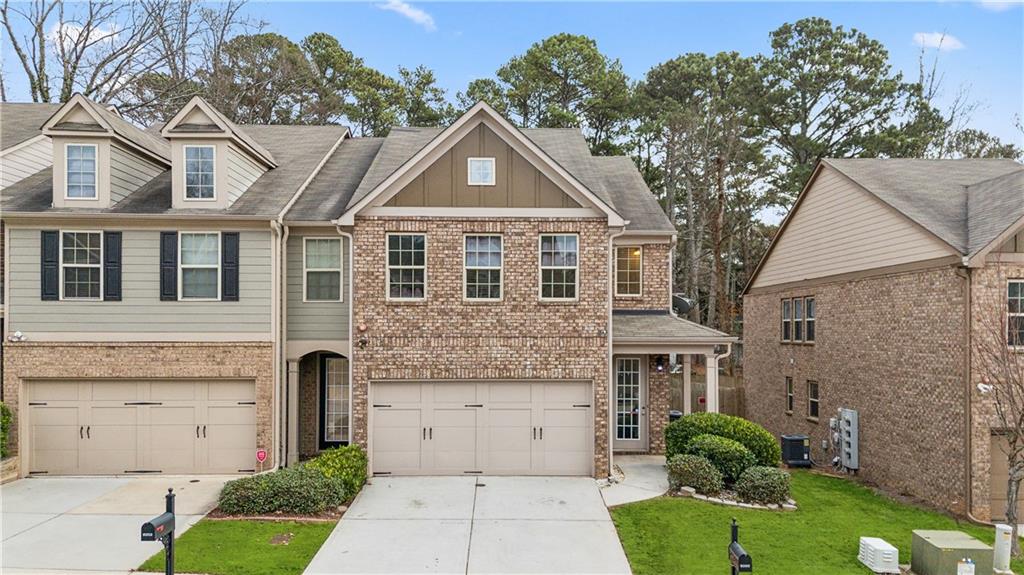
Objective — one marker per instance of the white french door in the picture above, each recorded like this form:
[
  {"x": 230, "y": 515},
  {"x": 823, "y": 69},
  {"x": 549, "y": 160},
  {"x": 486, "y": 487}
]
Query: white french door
[{"x": 630, "y": 405}]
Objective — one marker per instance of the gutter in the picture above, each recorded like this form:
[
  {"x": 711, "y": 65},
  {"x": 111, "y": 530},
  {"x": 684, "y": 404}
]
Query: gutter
[{"x": 275, "y": 228}]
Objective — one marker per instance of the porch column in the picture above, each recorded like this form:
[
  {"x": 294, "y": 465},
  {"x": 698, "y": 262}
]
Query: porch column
[
  {"x": 687, "y": 385},
  {"x": 711, "y": 394},
  {"x": 293, "y": 412}
]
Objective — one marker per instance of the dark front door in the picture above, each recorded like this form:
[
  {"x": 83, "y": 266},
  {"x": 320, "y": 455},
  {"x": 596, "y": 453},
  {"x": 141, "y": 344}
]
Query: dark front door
[{"x": 335, "y": 401}]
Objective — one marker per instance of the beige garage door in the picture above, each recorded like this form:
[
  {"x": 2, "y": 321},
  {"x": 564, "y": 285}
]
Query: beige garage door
[
  {"x": 113, "y": 427},
  {"x": 496, "y": 428},
  {"x": 1000, "y": 471}
]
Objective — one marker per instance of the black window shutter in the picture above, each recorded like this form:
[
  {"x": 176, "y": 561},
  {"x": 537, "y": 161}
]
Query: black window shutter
[
  {"x": 229, "y": 266},
  {"x": 50, "y": 266},
  {"x": 168, "y": 266},
  {"x": 112, "y": 266}
]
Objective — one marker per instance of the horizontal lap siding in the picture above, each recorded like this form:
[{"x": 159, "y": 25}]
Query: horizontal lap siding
[
  {"x": 315, "y": 320},
  {"x": 22, "y": 163},
  {"x": 242, "y": 173},
  {"x": 128, "y": 172},
  {"x": 141, "y": 309}
]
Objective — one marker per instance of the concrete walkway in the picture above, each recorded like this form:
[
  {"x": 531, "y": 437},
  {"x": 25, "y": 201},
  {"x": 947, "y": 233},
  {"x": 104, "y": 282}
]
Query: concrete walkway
[
  {"x": 68, "y": 524},
  {"x": 645, "y": 478},
  {"x": 474, "y": 525}
]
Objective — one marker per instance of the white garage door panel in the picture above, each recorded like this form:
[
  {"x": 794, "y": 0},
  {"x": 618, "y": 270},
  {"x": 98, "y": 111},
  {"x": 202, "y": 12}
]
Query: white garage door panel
[
  {"x": 507, "y": 428},
  {"x": 112, "y": 440},
  {"x": 230, "y": 438},
  {"x": 172, "y": 438},
  {"x": 53, "y": 432}
]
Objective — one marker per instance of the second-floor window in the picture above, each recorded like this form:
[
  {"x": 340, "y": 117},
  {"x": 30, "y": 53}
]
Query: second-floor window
[
  {"x": 789, "y": 395},
  {"x": 628, "y": 264},
  {"x": 81, "y": 171},
  {"x": 481, "y": 171},
  {"x": 199, "y": 173},
  {"x": 812, "y": 399},
  {"x": 407, "y": 266},
  {"x": 787, "y": 320},
  {"x": 81, "y": 265},
  {"x": 809, "y": 312},
  {"x": 200, "y": 266},
  {"x": 559, "y": 260},
  {"x": 483, "y": 267},
  {"x": 798, "y": 319},
  {"x": 322, "y": 269},
  {"x": 1015, "y": 313}
]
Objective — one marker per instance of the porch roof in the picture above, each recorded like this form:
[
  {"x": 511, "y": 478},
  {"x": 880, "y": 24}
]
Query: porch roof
[{"x": 663, "y": 330}]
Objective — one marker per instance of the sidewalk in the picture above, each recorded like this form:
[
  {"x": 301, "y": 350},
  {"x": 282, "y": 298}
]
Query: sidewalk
[{"x": 645, "y": 478}]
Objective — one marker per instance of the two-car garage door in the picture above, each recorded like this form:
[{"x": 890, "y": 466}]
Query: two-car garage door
[
  {"x": 495, "y": 428},
  {"x": 109, "y": 427}
]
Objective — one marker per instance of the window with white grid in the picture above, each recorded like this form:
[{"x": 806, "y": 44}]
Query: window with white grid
[
  {"x": 407, "y": 266},
  {"x": 559, "y": 261},
  {"x": 627, "y": 398},
  {"x": 81, "y": 264},
  {"x": 483, "y": 267},
  {"x": 1015, "y": 313}
]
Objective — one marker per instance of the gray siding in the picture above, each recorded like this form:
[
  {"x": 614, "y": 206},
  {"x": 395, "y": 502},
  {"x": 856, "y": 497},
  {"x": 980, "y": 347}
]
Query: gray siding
[
  {"x": 24, "y": 162},
  {"x": 128, "y": 172},
  {"x": 315, "y": 320},
  {"x": 241, "y": 173},
  {"x": 141, "y": 309}
]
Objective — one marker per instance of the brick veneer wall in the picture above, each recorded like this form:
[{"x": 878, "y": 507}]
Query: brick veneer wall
[
  {"x": 654, "y": 284},
  {"x": 519, "y": 337},
  {"x": 309, "y": 398},
  {"x": 891, "y": 347},
  {"x": 657, "y": 404},
  {"x": 988, "y": 303},
  {"x": 31, "y": 360}
]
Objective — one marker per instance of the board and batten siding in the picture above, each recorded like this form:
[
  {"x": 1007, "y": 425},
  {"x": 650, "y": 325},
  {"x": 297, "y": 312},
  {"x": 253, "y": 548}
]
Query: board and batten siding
[
  {"x": 21, "y": 163},
  {"x": 840, "y": 228},
  {"x": 141, "y": 310},
  {"x": 128, "y": 172},
  {"x": 242, "y": 172},
  {"x": 315, "y": 320}
]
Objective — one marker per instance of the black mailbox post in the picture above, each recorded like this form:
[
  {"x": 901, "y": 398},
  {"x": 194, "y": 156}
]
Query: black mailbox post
[
  {"x": 738, "y": 557},
  {"x": 161, "y": 528}
]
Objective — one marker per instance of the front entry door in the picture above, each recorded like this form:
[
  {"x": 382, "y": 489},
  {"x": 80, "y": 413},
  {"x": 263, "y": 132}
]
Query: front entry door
[
  {"x": 335, "y": 398},
  {"x": 630, "y": 405}
]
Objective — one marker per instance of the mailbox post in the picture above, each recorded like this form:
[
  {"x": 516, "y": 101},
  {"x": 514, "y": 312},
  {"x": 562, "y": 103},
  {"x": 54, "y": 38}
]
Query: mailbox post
[
  {"x": 161, "y": 528},
  {"x": 739, "y": 560}
]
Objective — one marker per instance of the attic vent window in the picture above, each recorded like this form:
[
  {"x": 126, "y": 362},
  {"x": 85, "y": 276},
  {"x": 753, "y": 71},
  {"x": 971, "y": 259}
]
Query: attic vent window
[
  {"x": 481, "y": 171},
  {"x": 199, "y": 173}
]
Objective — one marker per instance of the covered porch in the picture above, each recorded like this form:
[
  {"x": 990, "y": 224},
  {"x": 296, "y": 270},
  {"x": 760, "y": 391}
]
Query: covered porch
[{"x": 647, "y": 346}]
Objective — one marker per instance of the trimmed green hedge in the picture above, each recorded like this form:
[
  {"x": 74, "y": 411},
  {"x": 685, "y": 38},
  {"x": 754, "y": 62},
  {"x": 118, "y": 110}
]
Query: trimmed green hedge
[
  {"x": 300, "y": 490},
  {"x": 5, "y": 429},
  {"x": 761, "y": 484},
  {"x": 694, "y": 471},
  {"x": 762, "y": 444},
  {"x": 346, "y": 464},
  {"x": 728, "y": 456}
]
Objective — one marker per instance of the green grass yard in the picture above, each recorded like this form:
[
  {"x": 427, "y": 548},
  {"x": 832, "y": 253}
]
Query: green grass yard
[
  {"x": 230, "y": 547},
  {"x": 678, "y": 535}
]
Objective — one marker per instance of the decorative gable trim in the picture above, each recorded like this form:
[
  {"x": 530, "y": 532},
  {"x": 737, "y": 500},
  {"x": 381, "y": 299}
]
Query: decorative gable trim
[
  {"x": 221, "y": 128},
  {"x": 77, "y": 102},
  {"x": 977, "y": 259},
  {"x": 449, "y": 137}
]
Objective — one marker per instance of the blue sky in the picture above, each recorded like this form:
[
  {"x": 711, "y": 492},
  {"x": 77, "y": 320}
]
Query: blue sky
[{"x": 461, "y": 41}]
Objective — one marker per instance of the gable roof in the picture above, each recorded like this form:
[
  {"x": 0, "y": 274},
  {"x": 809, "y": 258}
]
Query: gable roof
[
  {"x": 333, "y": 187},
  {"x": 993, "y": 208},
  {"x": 20, "y": 122},
  {"x": 112, "y": 124},
  {"x": 448, "y": 137},
  {"x": 221, "y": 124},
  {"x": 661, "y": 325}
]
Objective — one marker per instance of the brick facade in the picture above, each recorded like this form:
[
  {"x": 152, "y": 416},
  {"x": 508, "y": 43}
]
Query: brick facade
[
  {"x": 31, "y": 360},
  {"x": 444, "y": 337},
  {"x": 657, "y": 404},
  {"x": 309, "y": 405},
  {"x": 654, "y": 288},
  {"x": 891, "y": 347}
]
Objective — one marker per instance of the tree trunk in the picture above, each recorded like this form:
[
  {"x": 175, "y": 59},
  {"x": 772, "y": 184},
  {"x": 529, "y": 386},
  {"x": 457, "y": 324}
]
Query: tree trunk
[
  {"x": 693, "y": 255},
  {"x": 716, "y": 289},
  {"x": 1012, "y": 487}
]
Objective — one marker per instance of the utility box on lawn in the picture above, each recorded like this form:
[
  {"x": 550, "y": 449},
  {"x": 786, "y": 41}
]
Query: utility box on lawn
[{"x": 941, "y": 552}]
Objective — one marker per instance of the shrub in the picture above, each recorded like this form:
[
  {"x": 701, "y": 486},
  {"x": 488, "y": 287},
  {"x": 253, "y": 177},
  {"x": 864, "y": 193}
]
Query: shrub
[
  {"x": 346, "y": 464},
  {"x": 762, "y": 444},
  {"x": 300, "y": 490},
  {"x": 5, "y": 429},
  {"x": 761, "y": 484},
  {"x": 728, "y": 456},
  {"x": 694, "y": 471}
]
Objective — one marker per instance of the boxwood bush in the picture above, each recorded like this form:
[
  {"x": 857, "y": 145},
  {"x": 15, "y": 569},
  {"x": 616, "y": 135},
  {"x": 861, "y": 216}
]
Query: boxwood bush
[
  {"x": 299, "y": 490},
  {"x": 757, "y": 439},
  {"x": 346, "y": 464},
  {"x": 728, "y": 456},
  {"x": 5, "y": 428},
  {"x": 761, "y": 484},
  {"x": 694, "y": 471}
]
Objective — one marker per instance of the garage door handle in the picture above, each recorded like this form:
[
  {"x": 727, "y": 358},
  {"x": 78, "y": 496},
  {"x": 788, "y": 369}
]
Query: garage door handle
[
  {"x": 431, "y": 433},
  {"x": 542, "y": 433},
  {"x": 80, "y": 428},
  {"x": 535, "y": 433},
  {"x": 204, "y": 432},
  {"x": 424, "y": 434},
  {"x": 87, "y": 434},
  {"x": 197, "y": 432}
]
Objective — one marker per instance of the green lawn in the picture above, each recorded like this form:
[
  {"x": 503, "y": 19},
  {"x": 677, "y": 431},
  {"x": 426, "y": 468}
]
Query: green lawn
[
  {"x": 242, "y": 546},
  {"x": 678, "y": 535}
]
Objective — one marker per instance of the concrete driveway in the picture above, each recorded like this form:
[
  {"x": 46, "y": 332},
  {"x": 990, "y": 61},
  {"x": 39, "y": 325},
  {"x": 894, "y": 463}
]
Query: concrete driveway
[
  {"x": 62, "y": 524},
  {"x": 474, "y": 525}
]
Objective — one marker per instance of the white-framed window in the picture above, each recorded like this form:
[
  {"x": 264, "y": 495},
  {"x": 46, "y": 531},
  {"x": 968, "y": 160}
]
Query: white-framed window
[
  {"x": 812, "y": 399},
  {"x": 483, "y": 267},
  {"x": 81, "y": 265},
  {"x": 199, "y": 266},
  {"x": 481, "y": 171},
  {"x": 627, "y": 398},
  {"x": 199, "y": 172},
  {"x": 407, "y": 266},
  {"x": 787, "y": 320},
  {"x": 809, "y": 311},
  {"x": 321, "y": 271},
  {"x": 798, "y": 319},
  {"x": 1015, "y": 313},
  {"x": 559, "y": 263},
  {"x": 80, "y": 161},
  {"x": 628, "y": 270},
  {"x": 337, "y": 397},
  {"x": 789, "y": 395}
]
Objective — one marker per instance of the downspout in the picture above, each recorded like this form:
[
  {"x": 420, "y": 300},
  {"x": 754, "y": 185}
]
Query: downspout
[
  {"x": 275, "y": 227},
  {"x": 351, "y": 343},
  {"x": 611, "y": 367},
  {"x": 965, "y": 273},
  {"x": 282, "y": 306}
]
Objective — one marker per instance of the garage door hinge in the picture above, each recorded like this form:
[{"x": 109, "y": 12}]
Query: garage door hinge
[
  {"x": 246, "y": 403},
  {"x": 247, "y": 471},
  {"x": 38, "y": 472},
  {"x": 581, "y": 405},
  {"x": 143, "y": 403},
  {"x": 382, "y": 405},
  {"x": 382, "y": 473},
  {"x": 143, "y": 471},
  {"x": 37, "y": 403},
  {"x": 472, "y": 471},
  {"x": 474, "y": 405}
]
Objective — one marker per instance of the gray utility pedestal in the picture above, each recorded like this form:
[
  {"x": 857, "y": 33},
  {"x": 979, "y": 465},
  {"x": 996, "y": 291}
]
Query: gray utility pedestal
[{"x": 938, "y": 552}]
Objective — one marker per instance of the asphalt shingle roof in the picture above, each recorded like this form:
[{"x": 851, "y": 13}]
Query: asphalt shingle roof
[
  {"x": 21, "y": 122},
  {"x": 332, "y": 188},
  {"x": 645, "y": 325},
  {"x": 992, "y": 207},
  {"x": 152, "y": 143}
]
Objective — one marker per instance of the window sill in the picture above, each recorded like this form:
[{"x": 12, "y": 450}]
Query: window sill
[
  {"x": 789, "y": 413},
  {"x": 558, "y": 301},
  {"x": 812, "y": 419},
  {"x": 422, "y": 301},
  {"x": 483, "y": 301}
]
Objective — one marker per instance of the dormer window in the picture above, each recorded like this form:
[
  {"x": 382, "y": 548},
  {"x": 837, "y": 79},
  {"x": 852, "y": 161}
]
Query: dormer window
[
  {"x": 481, "y": 171},
  {"x": 81, "y": 172},
  {"x": 199, "y": 174}
]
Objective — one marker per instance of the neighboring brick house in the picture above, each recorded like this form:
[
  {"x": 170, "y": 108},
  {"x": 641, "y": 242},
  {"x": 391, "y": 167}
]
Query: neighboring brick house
[
  {"x": 871, "y": 297},
  {"x": 474, "y": 299}
]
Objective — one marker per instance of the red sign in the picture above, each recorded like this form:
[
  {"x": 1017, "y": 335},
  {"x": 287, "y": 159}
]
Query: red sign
[
  {"x": 261, "y": 455},
  {"x": 700, "y": 400}
]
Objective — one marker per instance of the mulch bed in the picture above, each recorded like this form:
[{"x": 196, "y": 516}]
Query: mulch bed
[{"x": 325, "y": 517}]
